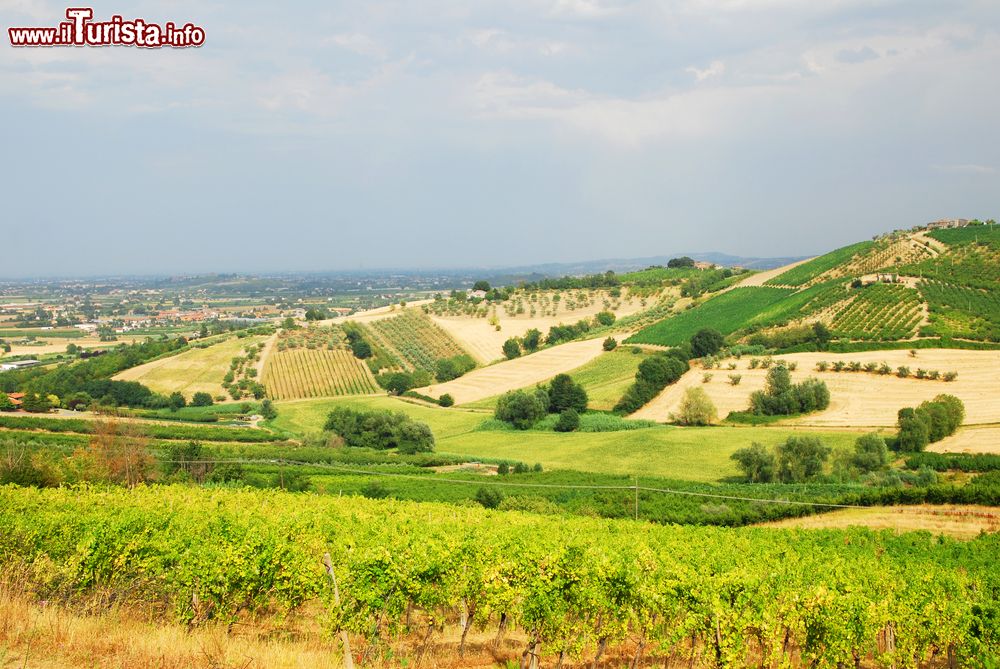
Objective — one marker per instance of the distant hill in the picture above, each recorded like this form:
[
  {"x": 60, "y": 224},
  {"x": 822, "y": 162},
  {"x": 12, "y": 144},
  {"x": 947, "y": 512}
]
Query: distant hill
[{"x": 914, "y": 288}]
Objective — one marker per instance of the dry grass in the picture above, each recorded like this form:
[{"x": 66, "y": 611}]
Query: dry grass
[
  {"x": 377, "y": 314},
  {"x": 760, "y": 278},
  {"x": 485, "y": 342},
  {"x": 59, "y": 344},
  {"x": 961, "y": 522},
  {"x": 518, "y": 373},
  {"x": 858, "y": 399},
  {"x": 973, "y": 439},
  {"x": 196, "y": 370}
]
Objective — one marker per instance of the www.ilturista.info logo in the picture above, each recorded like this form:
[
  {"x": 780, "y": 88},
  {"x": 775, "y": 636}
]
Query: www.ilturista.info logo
[{"x": 81, "y": 30}]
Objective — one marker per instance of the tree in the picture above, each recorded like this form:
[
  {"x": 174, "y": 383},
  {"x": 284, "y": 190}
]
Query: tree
[
  {"x": 396, "y": 383},
  {"x": 315, "y": 314},
  {"x": 569, "y": 421},
  {"x": 522, "y": 409},
  {"x": 706, "y": 342},
  {"x": 532, "y": 339},
  {"x": 779, "y": 381},
  {"x": 202, "y": 399},
  {"x": 822, "y": 335},
  {"x": 512, "y": 348},
  {"x": 176, "y": 401},
  {"x": 489, "y": 498},
  {"x": 446, "y": 400},
  {"x": 118, "y": 453},
  {"x": 801, "y": 458},
  {"x": 605, "y": 318},
  {"x": 5, "y": 403},
  {"x": 564, "y": 394},
  {"x": 289, "y": 323},
  {"x": 680, "y": 263},
  {"x": 610, "y": 344},
  {"x": 914, "y": 434},
  {"x": 72, "y": 349},
  {"x": 870, "y": 453},
  {"x": 36, "y": 403},
  {"x": 361, "y": 349},
  {"x": 267, "y": 410},
  {"x": 697, "y": 408},
  {"x": 481, "y": 285},
  {"x": 757, "y": 463}
]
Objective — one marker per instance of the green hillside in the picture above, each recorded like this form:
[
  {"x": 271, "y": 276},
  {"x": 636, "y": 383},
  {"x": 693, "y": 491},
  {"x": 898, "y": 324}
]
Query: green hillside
[{"x": 898, "y": 288}]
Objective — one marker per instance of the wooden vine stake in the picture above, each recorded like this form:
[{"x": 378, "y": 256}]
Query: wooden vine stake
[{"x": 344, "y": 639}]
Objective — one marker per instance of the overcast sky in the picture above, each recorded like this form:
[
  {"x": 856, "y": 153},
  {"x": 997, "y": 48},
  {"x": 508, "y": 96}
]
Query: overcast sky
[{"x": 325, "y": 136}]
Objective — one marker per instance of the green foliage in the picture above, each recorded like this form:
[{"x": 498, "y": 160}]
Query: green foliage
[
  {"x": 800, "y": 459},
  {"x": 489, "y": 498},
  {"x": 655, "y": 373},
  {"x": 565, "y": 394},
  {"x": 697, "y": 408},
  {"x": 454, "y": 367},
  {"x": 522, "y": 409},
  {"x": 569, "y": 421},
  {"x": 446, "y": 400},
  {"x": 757, "y": 463},
  {"x": 176, "y": 401},
  {"x": 610, "y": 344},
  {"x": 560, "y": 333},
  {"x": 202, "y": 399},
  {"x": 531, "y": 340},
  {"x": 604, "y": 318},
  {"x": 381, "y": 430},
  {"x": 706, "y": 342},
  {"x": 782, "y": 398},
  {"x": 512, "y": 348}
]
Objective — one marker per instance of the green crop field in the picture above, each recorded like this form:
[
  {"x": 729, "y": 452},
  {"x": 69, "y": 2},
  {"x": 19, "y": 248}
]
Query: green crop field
[
  {"x": 305, "y": 372},
  {"x": 806, "y": 272},
  {"x": 881, "y": 312},
  {"x": 726, "y": 313}
]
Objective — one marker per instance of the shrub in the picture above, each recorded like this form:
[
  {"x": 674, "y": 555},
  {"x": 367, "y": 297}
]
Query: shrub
[
  {"x": 654, "y": 374},
  {"x": 532, "y": 339},
  {"x": 374, "y": 490},
  {"x": 706, "y": 342},
  {"x": 734, "y": 379},
  {"x": 610, "y": 344},
  {"x": 781, "y": 398},
  {"x": 512, "y": 348},
  {"x": 446, "y": 400},
  {"x": 380, "y": 430},
  {"x": 800, "y": 459},
  {"x": 521, "y": 408},
  {"x": 202, "y": 400},
  {"x": 605, "y": 318},
  {"x": 822, "y": 366},
  {"x": 902, "y": 371},
  {"x": 757, "y": 463},
  {"x": 569, "y": 421},
  {"x": 697, "y": 408},
  {"x": 870, "y": 453},
  {"x": 489, "y": 498}
]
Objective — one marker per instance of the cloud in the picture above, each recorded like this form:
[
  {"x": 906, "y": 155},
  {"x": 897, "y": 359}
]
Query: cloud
[
  {"x": 360, "y": 44},
  {"x": 715, "y": 69},
  {"x": 856, "y": 55}
]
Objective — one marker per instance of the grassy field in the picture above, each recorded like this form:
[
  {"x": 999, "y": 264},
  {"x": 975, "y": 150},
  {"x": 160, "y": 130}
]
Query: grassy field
[
  {"x": 196, "y": 370},
  {"x": 605, "y": 379},
  {"x": 694, "y": 454},
  {"x": 807, "y": 271}
]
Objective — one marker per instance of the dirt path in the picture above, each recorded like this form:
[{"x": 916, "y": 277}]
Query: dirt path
[
  {"x": 264, "y": 353},
  {"x": 518, "y": 373}
]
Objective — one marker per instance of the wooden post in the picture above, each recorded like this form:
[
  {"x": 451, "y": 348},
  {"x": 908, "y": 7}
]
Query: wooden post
[
  {"x": 344, "y": 639},
  {"x": 637, "y": 498}
]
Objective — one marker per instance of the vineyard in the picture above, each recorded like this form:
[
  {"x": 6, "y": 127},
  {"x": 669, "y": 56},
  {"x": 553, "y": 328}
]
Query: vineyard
[
  {"x": 963, "y": 312},
  {"x": 414, "y": 339},
  {"x": 880, "y": 312},
  {"x": 972, "y": 258},
  {"x": 554, "y": 590},
  {"x": 807, "y": 272},
  {"x": 297, "y": 373}
]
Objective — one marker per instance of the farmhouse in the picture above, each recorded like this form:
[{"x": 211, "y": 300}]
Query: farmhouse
[
  {"x": 948, "y": 223},
  {"x": 477, "y": 294},
  {"x": 17, "y": 364}
]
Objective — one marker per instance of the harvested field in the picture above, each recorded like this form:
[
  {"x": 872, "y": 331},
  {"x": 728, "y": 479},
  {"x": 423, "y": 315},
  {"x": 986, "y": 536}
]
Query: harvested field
[
  {"x": 858, "y": 399},
  {"x": 962, "y": 522},
  {"x": 195, "y": 370},
  {"x": 972, "y": 439},
  {"x": 369, "y": 315},
  {"x": 760, "y": 278},
  {"x": 485, "y": 343},
  {"x": 518, "y": 373}
]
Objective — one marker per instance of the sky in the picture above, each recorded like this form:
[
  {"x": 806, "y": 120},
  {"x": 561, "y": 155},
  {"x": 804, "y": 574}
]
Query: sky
[{"x": 320, "y": 136}]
